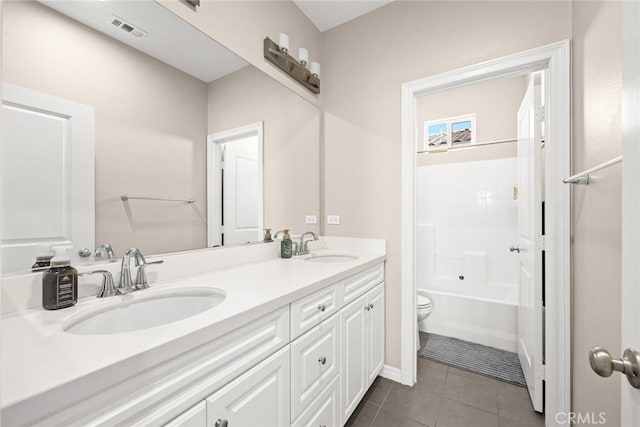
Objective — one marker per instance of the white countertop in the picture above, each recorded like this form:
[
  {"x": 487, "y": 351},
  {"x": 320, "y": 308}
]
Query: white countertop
[{"x": 40, "y": 359}]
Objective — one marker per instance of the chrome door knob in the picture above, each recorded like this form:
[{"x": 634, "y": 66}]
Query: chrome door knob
[
  {"x": 514, "y": 249},
  {"x": 604, "y": 365}
]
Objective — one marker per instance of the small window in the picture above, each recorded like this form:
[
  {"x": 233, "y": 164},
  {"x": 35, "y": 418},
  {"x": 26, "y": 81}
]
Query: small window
[{"x": 451, "y": 132}]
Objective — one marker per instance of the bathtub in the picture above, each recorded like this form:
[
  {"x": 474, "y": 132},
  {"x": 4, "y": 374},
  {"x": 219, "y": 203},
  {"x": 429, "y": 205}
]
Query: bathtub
[{"x": 484, "y": 314}]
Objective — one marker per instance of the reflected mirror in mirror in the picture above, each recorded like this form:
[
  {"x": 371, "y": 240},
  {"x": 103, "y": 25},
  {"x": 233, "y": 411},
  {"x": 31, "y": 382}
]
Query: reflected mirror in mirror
[{"x": 105, "y": 99}]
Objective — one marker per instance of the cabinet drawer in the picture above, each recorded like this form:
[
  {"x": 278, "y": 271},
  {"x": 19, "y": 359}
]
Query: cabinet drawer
[
  {"x": 315, "y": 361},
  {"x": 196, "y": 416},
  {"x": 313, "y": 309},
  {"x": 325, "y": 410},
  {"x": 356, "y": 285}
]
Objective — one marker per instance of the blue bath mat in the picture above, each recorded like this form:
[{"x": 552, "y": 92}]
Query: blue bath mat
[{"x": 488, "y": 361}]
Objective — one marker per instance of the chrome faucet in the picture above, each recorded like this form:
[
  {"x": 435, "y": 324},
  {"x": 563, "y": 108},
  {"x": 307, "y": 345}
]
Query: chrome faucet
[
  {"x": 278, "y": 234},
  {"x": 126, "y": 284},
  {"x": 302, "y": 244},
  {"x": 107, "y": 250},
  {"x": 108, "y": 289},
  {"x": 141, "y": 276}
]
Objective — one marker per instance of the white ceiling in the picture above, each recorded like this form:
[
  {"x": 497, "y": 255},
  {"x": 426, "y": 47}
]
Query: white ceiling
[
  {"x": 169, "y": 38},
  {"x": 326, "y": 14}
]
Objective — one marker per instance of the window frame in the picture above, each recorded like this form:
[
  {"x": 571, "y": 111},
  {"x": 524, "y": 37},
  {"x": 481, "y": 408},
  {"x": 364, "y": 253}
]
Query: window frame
[{"x": 450, "y": 121}]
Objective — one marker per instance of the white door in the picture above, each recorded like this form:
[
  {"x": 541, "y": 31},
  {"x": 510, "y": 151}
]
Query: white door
[
  {"x": 240, "y": 189},
  {"x": 630, "y": 206},
  {"x": 47, "y": 175},
  {"x": 235, "y": 192},
  {"x": 258, "y": 398},
  {"x": 530, "y": 320},
  {"x": 375, "y": 332},
  {"x": 354, "y": 373}
]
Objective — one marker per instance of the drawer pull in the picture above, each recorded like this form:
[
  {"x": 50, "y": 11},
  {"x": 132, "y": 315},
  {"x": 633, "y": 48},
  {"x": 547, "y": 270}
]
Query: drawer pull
[
  {"x": 322, "y": 308},
  {"x": 371, "y": 306},
  {"x": 221, "y": 423},
  {"x": 322, "y": 360}
]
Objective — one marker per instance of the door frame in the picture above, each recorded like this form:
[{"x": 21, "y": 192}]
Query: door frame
[
  {"x": 630, "y": 330},
  {"x": 555, "y": 58},
  {"x": 214, "y": 166}
]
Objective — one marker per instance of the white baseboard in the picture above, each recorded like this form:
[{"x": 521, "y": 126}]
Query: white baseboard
[{"x": 391, "y": 373}]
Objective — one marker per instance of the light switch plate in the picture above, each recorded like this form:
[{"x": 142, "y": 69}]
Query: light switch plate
[
  {"x": 310, "y": 219},
  {"x": 333, "y": 219}
]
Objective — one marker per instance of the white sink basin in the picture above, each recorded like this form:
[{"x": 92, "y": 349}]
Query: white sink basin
[
  {"x": 330, "y": 257},
  {"x": 137, "y": 311}
]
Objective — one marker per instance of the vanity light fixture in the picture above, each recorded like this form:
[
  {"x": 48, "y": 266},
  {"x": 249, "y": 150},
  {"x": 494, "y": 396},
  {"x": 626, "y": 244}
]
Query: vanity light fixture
[{"x": 279, "y": 56}]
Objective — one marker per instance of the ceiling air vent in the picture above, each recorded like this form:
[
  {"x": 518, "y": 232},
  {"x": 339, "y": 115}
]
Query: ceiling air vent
[{"x": 128, "y": 28}]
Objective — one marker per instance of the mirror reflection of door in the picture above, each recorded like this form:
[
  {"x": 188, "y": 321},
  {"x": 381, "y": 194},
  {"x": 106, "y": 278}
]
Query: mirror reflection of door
[
  {"x": 235, "y": 186},
  {"x": 47, "y": 175}
]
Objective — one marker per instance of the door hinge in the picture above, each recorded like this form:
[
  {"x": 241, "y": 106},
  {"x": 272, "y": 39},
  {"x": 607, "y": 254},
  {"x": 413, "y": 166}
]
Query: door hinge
[
  {"x": 540, "y": 114},
  {"x": 540, "y": 372},
  {"x": 222, "y": 229},
  {"x": 541, "y": 243}
]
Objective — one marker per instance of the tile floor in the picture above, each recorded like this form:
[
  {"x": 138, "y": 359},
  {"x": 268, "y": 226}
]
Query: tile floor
[{"x": 445, "y": 397}]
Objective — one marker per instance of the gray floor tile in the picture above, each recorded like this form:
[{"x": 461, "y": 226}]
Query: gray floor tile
[
  {"x": 378, "y": 391},
  {"x": 472, "y": 375},
  {"x": 363, "y": 415},
  {"x": 478, "y": 391},
  {"x": 514, "y": 404},
  {"x": 391, "y": 419},
  {"x": 456, "y": 414},
  {"x": 429, "y": 368},
  {"x": 417, "y": 403}
]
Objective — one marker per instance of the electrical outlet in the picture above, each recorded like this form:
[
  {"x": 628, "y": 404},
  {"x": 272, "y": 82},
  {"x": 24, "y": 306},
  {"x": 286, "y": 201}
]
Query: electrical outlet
[
  {"x": 333, "y": 219},
  {"x": 310, "y": 219}
]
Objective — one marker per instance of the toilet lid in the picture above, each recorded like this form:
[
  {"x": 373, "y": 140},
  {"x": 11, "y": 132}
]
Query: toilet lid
[{"x": 423, "y": 301}]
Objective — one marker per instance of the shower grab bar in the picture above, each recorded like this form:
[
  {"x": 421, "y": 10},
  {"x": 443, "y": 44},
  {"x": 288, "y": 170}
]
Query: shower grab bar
[
  {"x": 124, "y": 198},
  {"x": 583, "y": 178}
]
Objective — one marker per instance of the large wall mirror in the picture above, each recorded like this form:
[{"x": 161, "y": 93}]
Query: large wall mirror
[{"x": 123, "y": 124}]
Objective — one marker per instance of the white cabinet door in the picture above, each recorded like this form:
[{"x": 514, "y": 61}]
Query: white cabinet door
[
  {"x": 353, "y": 330},
  {"x": 324, "y": 411},
  {"x": 375, "y": 332},
  {"x": 194, "y": 417},
  {"x": 258, "y": 398},
  {"x": 315, "y": 361}
]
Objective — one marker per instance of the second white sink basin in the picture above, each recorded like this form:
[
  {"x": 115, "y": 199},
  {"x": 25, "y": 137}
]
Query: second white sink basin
[
  {"x": 137, "y": 311},
  {"x": 330, "y": 257}
]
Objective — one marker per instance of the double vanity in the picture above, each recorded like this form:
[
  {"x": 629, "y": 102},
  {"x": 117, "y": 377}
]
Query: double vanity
[{"x": 237, "y": 337}]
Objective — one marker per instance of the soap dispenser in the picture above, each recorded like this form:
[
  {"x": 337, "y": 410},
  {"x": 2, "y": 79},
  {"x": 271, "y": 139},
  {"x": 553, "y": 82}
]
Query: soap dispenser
[
  {"x": 60, "y": 282},
  {"x": 286, "y": 246}
]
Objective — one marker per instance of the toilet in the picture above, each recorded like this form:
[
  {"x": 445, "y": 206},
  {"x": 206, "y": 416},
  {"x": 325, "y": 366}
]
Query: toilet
[{"x": 424, "y": 310}]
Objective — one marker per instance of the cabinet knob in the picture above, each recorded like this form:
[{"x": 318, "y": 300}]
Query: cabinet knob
[
  {"x": 322, "y": 360},
  {"x": 221, "y": 423},
  {"x": 322, "y": 308},
  {"x": 367, "y": 307},
  {"x": 371, "y": 306}
]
